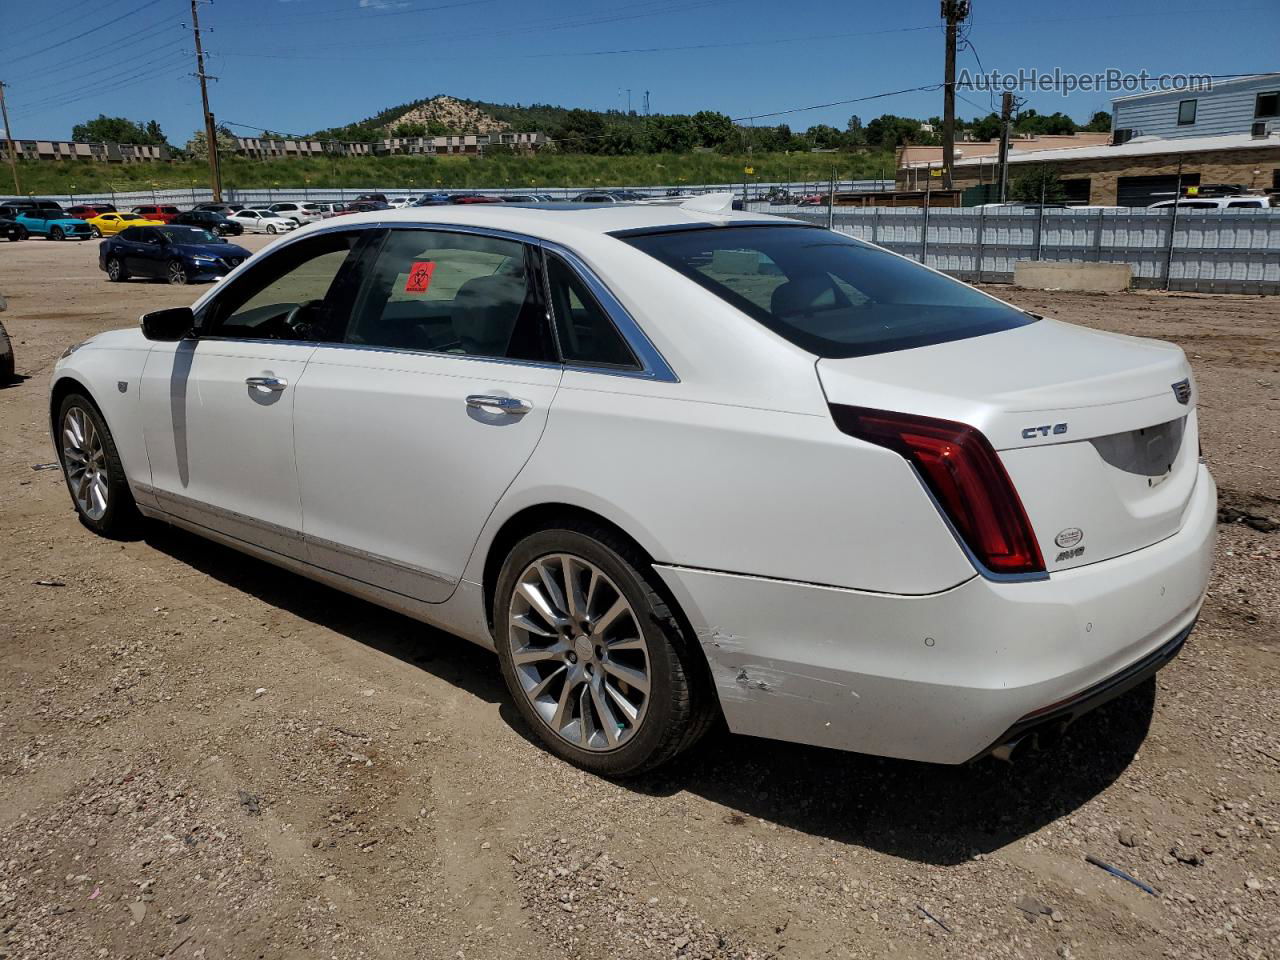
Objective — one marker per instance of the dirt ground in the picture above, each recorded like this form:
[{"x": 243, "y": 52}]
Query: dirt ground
[{"x": 203, "y": 756}]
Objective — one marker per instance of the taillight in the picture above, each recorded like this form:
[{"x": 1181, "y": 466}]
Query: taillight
[{"x": 965, "y": 476}]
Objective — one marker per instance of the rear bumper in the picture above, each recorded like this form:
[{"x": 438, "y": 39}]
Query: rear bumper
[
  {"x": 1056, "y": 717},
  {"x": 942, "y": 678}
]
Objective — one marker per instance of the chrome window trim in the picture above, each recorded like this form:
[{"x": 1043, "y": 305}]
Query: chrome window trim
[
  {"x": 653, "y": 365},
  {"x": 410, "y": 351}
]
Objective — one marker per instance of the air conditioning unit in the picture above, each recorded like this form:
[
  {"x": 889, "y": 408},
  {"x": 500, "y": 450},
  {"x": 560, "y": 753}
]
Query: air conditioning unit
[
  {"x": 1259, "y": 130},
  {"x": 1123, "y": 135}
]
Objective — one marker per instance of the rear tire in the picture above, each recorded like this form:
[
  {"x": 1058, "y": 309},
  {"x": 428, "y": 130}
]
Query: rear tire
[
  {"x": 115, "y": 270},
  {"x": 97, "y": 234},
  {"x": 565, "y": 697},
  {"x": 92, "y": 468},
  {"x": 19, "y": 234}
]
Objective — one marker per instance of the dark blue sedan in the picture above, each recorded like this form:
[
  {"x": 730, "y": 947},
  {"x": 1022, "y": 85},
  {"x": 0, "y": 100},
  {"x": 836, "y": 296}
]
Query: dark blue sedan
[{"x": 174, "y": 253}]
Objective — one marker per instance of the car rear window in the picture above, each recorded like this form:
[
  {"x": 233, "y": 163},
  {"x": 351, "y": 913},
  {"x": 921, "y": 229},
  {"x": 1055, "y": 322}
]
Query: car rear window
[{"x": 826, "y": 292}]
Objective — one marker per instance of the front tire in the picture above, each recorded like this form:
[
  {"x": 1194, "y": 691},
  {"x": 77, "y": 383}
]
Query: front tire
[
  {"x": 92, "y": 468},
  {"x": 594, "y": 658},
  {"x": 56, "y": 234},
  {"x": 115, "y": 270},
  {"x": 271, "y": 228},
  {"x": 19, "y": 234},
  {"x": 177, "y": 273}
]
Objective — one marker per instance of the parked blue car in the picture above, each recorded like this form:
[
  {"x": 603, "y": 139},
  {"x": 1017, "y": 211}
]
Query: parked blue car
[
  {"x": 174, "y": 253},
  {"x": 53, "y": 224}
]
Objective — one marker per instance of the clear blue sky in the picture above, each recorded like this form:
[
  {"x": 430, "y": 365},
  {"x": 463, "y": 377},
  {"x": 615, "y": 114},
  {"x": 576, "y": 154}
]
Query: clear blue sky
[{"x": 298, "y": 65}]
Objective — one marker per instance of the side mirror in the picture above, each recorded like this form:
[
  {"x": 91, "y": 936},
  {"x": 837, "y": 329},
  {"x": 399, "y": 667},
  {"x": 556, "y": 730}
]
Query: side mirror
[{"x": 169, "y": 325}]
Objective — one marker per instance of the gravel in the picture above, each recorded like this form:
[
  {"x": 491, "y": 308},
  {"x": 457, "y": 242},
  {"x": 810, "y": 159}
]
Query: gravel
[{"x": 205, "y": 757}]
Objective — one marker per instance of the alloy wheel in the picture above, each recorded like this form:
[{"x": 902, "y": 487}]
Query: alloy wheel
[
  {"x": 55, "y": 233},
  {"x": 177, "y": 272},
  {"x": 113, "y": 269},
  {"x": 578, "y": 652},
  {"x": 97, "y": 233},
  {"x": 85, "y": 460}
]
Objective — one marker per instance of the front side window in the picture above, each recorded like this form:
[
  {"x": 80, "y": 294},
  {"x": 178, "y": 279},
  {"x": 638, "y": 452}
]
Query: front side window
[
  {"x": 302, "y": 292},
  {"x": 455, "y": 293},
  {"x": 1267, "y": 105},
  {"x": 1186, "y": 113},
  {"x": 583, "y": 328},
  {"x": 828, "y": 293}
]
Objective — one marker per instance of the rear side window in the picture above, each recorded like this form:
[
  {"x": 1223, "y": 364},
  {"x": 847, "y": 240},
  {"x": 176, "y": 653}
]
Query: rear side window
[
  {"x": 586, "y": 334},
  {"x": 828, "y": 293}
]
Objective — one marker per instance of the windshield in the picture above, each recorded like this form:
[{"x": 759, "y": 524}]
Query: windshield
[
  {"x": 828, "y": 293},
  {"x": 190, "y": 235}
]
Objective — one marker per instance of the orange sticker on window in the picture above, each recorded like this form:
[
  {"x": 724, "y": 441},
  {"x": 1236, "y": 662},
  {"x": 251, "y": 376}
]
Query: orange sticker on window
[{"x": 419, "y": 276}]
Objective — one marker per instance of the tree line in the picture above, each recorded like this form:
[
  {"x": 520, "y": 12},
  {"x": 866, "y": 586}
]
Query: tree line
[{"x": 615, "y": 133}]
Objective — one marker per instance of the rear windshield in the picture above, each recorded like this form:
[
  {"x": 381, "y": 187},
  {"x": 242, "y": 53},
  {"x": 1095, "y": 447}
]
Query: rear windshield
[
  {"x": 826, "y": 292},
  {"x": 189, "y": 235}
]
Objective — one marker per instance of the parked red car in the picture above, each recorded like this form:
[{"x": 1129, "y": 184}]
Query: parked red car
[
  {"x": 474, "y": 198},
  {"x": 157, "y": 212},
  {"x": 83, "y": 211}
]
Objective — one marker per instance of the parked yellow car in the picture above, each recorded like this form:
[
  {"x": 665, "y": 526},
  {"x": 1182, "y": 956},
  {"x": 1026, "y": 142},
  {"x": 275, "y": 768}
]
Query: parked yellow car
[{"x": 109, "y": 224}]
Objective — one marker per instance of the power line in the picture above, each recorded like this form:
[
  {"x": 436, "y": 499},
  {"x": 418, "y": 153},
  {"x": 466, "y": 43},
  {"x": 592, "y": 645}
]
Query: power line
[
  {"x": 62, "y": 17},
  {"x": 560, "y": 55},
  {"x": 150, "y": 72},
  {"x": 78, "y": 36},
  {"x": 522, "y": 30},
  {"x": 154, "y": 51},
  {"x": 752, "y": 117},
  {"x": 309, "y": 14},
  {"x": 838, "y": 103}
]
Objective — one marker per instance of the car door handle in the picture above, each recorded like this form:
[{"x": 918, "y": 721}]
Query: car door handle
[
  {"x": 508, "y": 405},
  {"x": 274, "y": 384}
]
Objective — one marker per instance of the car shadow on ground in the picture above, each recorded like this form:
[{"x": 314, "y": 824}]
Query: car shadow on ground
[
  {"x": 921, "y": 812},
  {"x": 441, "y": 654}
]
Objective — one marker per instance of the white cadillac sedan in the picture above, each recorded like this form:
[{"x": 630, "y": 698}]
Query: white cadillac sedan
[
  {"x": 263, "y": 221},
  {"x": 675, "y": 464}
]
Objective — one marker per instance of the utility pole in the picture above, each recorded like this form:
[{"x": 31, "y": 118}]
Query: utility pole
[
  {"x": 953, "y": 11},
  {"x": 210, "y": 129},
  {"x": 1006, "y": 118},
  {"x": 8, "y": 134}
]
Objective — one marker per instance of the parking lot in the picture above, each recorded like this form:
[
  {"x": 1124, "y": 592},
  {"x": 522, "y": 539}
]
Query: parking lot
[{"x": 204, "y": 756}]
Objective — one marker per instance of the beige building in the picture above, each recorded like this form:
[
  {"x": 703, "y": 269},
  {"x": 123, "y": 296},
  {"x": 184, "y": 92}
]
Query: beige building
[
  {"x": 470, "y": 143},
  {"x": 73, "y": 150},
  {"x": 916, "y": 161},
  {"x": 1144, "y": 170}
]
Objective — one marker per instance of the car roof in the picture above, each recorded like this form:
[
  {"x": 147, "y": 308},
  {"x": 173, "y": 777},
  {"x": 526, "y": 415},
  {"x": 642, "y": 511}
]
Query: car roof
[{"x": 557, "y": 221}]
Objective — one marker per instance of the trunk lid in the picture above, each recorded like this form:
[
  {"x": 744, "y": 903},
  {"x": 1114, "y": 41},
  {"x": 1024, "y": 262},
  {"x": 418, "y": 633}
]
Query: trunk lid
[{"x": 1096, "y": 430}]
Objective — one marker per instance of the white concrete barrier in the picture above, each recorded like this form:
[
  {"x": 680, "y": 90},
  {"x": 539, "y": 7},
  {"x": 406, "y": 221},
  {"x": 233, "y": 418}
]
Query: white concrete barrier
[{"x": 1066, "y": 275}]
